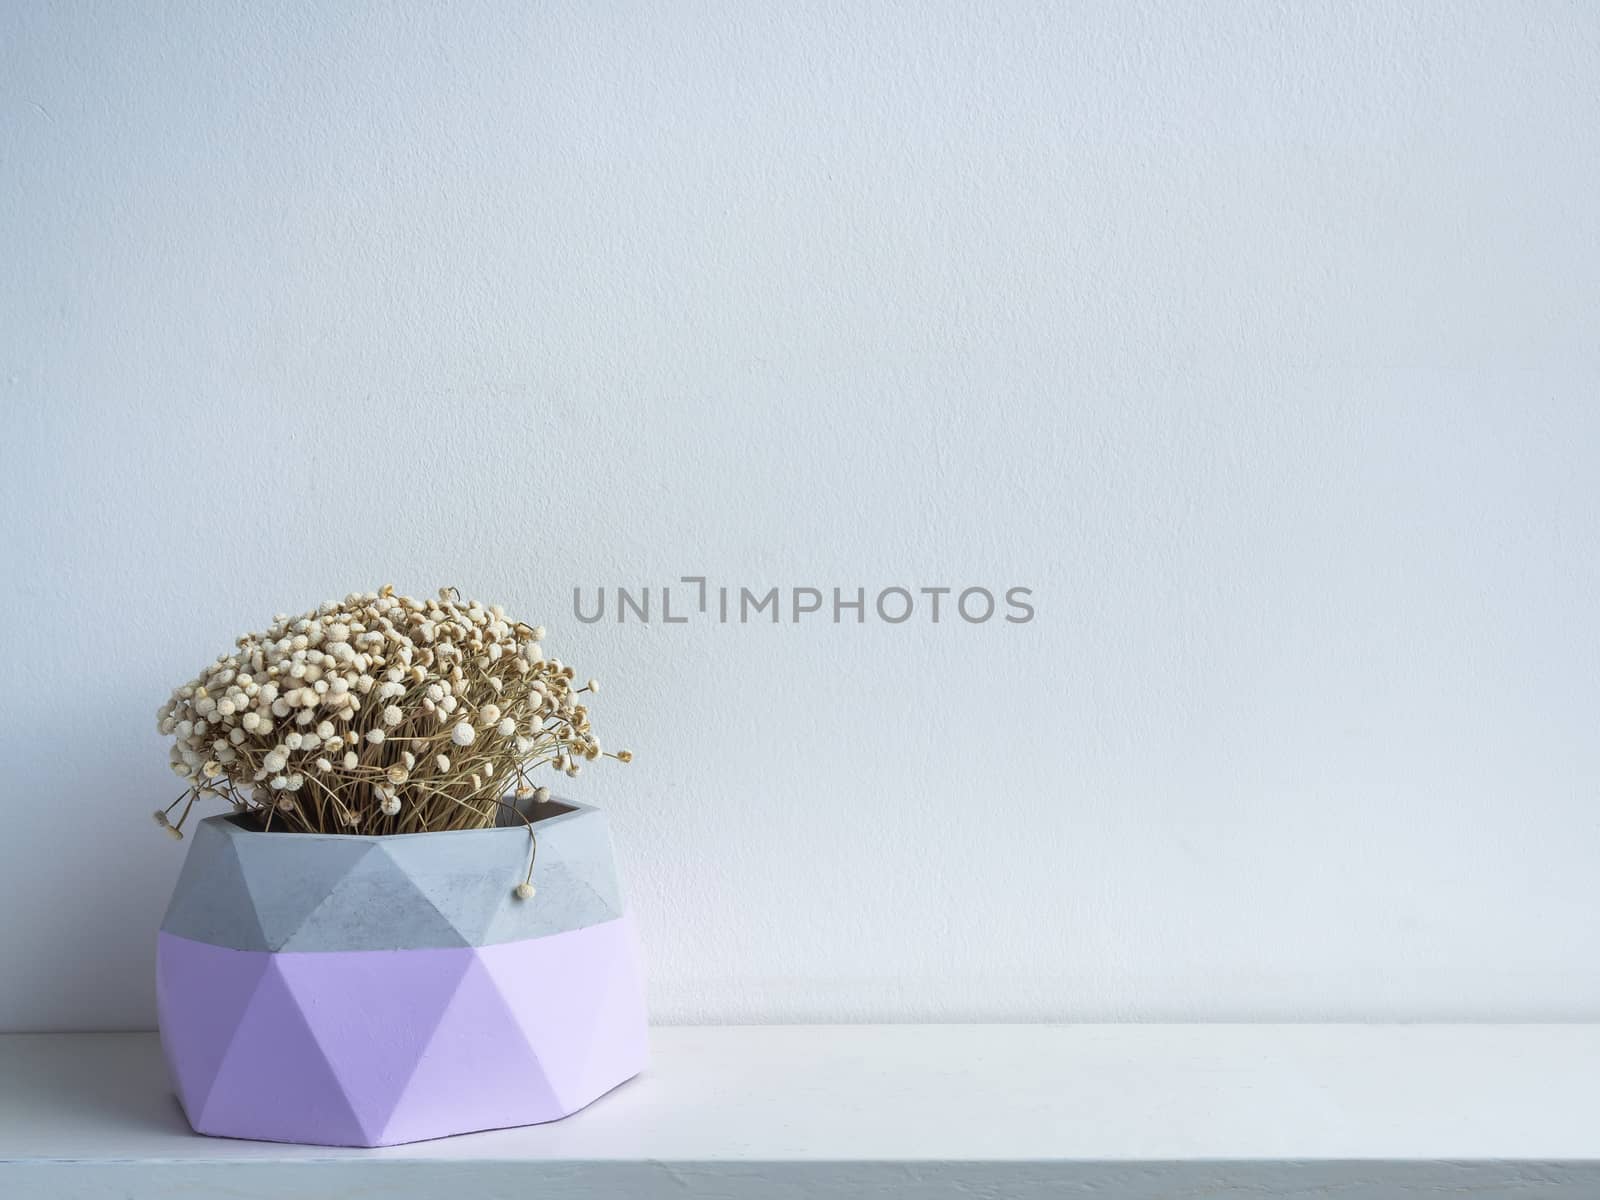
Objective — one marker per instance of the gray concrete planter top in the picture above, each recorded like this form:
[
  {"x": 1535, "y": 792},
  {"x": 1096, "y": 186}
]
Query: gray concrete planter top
[{"x": 247, "y": 890}]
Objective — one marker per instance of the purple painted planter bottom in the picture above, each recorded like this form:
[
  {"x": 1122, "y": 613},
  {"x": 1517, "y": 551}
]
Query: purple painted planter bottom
[{"x": 374, "y": 1047}]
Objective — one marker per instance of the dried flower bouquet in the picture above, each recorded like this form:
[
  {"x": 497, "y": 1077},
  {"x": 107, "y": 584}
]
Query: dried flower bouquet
[{"x": 383, "y": 714}]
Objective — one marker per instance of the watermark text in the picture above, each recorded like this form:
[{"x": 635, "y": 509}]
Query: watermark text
[{"x": 695, "y": 598}]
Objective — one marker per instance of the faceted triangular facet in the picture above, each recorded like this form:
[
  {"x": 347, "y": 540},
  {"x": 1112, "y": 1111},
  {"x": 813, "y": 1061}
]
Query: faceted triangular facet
[
  {"x": 619, "y": 1039},
  {"x": 276, "y": 1080},
  {"x": 478, "y": 1071},
  {"x": 577, "y": 1000},
  {"x": 373, "y": 1013},
  {"x": 210, "y": 902},
  {"x": 374, "y": 905},
  {"x": 201, "y": 990},
  {"x": 451, "y": 873},
  {"x": 576, "y": 882},
  {"x": 286, "y": 889}
]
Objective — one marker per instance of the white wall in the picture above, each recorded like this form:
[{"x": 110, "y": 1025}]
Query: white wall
[{"x": 1261, "y": 341}]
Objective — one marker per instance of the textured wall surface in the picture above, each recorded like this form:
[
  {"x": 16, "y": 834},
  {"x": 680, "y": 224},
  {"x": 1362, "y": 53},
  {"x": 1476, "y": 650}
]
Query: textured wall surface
[{"x": 1261, "y": 341}]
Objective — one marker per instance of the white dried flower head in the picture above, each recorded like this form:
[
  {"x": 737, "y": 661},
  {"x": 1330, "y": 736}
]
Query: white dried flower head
[
  {"x": 506, "y": 728},
  {"x": 375, "y": 736},
  {"x": 393, "y": 715},
  {"x": 351, "y": 761},
  {"x": 442, "y": 762},
  {"x": 462, "y": 734},
  {"x": 398, "y": 774},
  {"x": 390, "y": 806},
  {"x": 489, "y": 715},
  {"x": 524, "y": 891}
]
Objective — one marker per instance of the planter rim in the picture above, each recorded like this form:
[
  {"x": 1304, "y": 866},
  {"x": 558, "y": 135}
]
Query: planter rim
[{"x": 569, "y": 810}]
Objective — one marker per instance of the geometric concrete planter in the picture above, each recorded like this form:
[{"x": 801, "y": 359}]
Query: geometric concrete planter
[{"x": 362, "y": 991}]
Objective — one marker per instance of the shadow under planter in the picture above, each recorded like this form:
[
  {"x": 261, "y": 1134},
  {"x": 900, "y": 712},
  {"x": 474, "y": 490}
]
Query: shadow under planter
[{"x": 367, "y": 990}]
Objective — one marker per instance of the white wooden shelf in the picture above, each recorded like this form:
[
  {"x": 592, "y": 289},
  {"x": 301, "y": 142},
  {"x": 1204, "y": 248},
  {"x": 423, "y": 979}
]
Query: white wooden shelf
[{"x": 1109, "y": 1111}]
